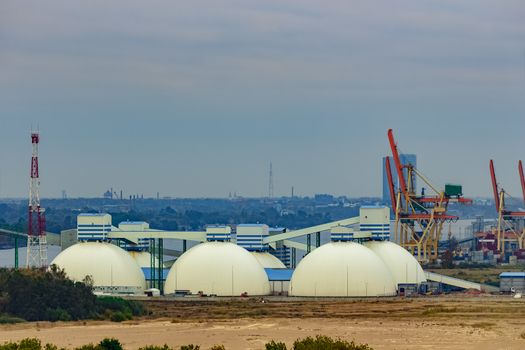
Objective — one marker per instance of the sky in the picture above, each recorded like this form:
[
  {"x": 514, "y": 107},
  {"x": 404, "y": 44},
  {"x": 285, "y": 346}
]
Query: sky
[{"x": 196, "y": 98}]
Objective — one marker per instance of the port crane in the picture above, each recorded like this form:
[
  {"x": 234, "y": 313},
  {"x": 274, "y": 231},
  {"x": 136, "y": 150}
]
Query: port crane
[
  {"x": 419, "y": 219},
  {"x": 510, "y": 223}
]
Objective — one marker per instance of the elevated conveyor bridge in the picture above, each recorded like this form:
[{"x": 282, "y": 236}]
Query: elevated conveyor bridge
[{"x": 456, "y": 282}]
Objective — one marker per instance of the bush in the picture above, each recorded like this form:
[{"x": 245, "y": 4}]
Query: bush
[
  {"x": 57, "y": 314},
  {"x": 326, "y": 343},
  {"x": 155, "y": 347},
  {"x": 6, "y": 319},
  {"x": 118, "y": 309},
  {"x": 275, "y": 346},
  {"x": 88, "y": 347},
  {"x": 25, "y": 344},
  {"x": 49, "y": 295},
  {"x": 40, "y": 295},
  {"x": 110, "y": 344},
  {"x": 30, "y": 344},
  {"x": 317, "y": 343},
  {"x": 119, "y": 317}
]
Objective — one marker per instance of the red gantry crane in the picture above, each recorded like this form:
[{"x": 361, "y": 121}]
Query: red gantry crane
[
  {"x": 419, "y": 219},
  {"x": 510, "y": 223}
]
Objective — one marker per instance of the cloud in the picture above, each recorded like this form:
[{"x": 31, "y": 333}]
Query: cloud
[{"x": 318, "y": 77}]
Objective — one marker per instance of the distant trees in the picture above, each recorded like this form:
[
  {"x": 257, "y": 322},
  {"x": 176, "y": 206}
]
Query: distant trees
[
  {"x": 48, "y": 295},
  {"x": 34, "y": 295}
]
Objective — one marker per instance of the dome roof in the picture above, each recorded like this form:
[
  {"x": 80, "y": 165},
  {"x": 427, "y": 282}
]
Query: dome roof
[
  {"x": 341, "y": 269},
  {"x": 220, "y": 268},
  {"x": 268, "y": 261},
  {"x": 111, "y": 268},
  {"x": 402, "y": 265}
]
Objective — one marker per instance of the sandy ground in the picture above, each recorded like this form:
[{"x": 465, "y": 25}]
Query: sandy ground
[{"x": 476, "y": 323}]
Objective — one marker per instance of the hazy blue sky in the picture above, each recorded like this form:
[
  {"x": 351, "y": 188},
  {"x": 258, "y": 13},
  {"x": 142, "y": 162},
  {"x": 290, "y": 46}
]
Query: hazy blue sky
[{"x": 195, "y": 98}]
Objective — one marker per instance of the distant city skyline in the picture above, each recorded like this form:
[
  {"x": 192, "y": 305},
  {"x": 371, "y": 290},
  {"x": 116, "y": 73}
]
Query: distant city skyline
[{"x": 196, "y": 99}]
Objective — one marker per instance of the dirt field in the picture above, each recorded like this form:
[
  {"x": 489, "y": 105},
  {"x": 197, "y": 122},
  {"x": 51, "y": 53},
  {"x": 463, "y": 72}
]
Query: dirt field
[{"x": 468, "y": 322}]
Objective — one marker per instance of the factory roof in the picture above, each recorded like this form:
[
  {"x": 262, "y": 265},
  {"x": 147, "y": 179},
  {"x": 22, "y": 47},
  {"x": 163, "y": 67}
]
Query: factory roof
[
  {"x": 512, "y": 275},
  {"x": 372, "y": 206},
  {"x": 279, "y": 274},
  {"x": 93, "y": 214},
  {"x": 251, "y": 225},
  {"x": 133, "y": 222}
]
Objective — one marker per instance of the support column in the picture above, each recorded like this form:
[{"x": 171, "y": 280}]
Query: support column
[
  {"x": 292, "y": 262},
  {"x": 318, "y": 239},
  {"x": 184, "y": 245},
  {"x": 152, "y": 263},
  {"x": 308, "y": 243},
  {"x": 160, "y": 255}
]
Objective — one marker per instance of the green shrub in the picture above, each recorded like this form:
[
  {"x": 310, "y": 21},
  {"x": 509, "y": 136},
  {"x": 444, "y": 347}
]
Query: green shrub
[
  {"x": 24, "y": 344},
  {"x": 190, "y": 347},
  {"x": 49, "y": 295},
  {"x": 57, "y": 314},
  {"x": 326, "y": 343},
  {"x": 218, "y": 347},
  {"x": 130, "y": 307},
  {"x": 119, "y": 316},
  {"x": 6, "y": 319},
  {"x": 110, "y": 344},
  {"x": 275, "y": 346},
  {"x": 44, "y": 294},
  {"x": 88, "y": 347},
  {"x": 155, "y": 347}
]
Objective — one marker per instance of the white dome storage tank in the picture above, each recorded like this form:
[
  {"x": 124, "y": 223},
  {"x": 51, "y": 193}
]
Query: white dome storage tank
[
  {"x": 112, "y": 269},
  {"x": 219, "y": 268},
  {"x": 403, "y": 266},
  {"x": 268, "y": 261},
  {"x": 342, "y": 269}
]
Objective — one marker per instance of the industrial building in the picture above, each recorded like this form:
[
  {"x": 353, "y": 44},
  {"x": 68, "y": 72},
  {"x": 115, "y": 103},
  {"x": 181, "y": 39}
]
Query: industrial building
[
  {"x": 512, "y": 282},
  {"x": 244, "y": 259}
]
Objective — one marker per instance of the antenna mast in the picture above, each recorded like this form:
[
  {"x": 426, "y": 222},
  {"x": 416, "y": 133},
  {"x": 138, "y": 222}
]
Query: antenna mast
[
  {"x": 36, "y": 236},
  {"x": 270, "y": 182}
]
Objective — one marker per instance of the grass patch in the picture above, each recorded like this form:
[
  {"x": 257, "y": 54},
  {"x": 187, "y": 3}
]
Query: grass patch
[
  {"x": 433, "y": 311},
  {"x": 6, "y": 319}
]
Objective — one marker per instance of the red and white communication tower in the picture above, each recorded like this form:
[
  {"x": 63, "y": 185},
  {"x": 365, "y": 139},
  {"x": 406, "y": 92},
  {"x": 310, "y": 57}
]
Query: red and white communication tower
[{"x": 36, "y": 233}]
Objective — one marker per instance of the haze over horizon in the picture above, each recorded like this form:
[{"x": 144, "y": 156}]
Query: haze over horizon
[{"x": 194, "y": 99}]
